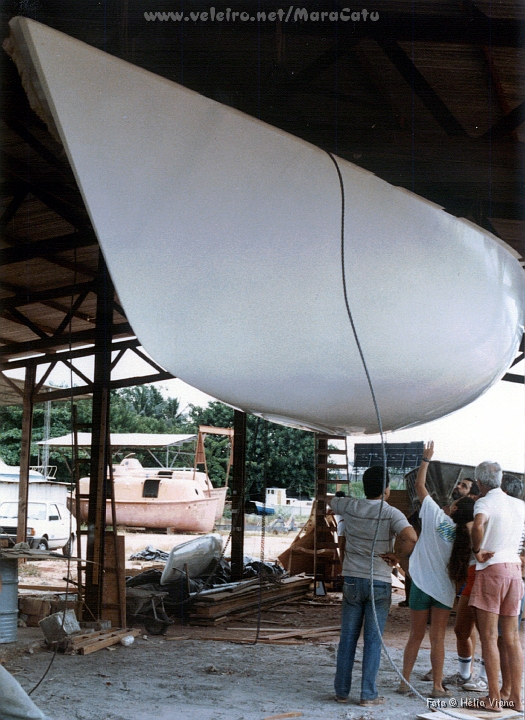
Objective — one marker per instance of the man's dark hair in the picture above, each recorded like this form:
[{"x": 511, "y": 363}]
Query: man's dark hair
[
  {"x": 340, "y": 493},
  {"x": 474, "y": 488},
  {"x": 373, "y": 481}
]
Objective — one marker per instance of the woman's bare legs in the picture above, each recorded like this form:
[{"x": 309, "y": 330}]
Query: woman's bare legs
[
  {"x": 418, "y": 626},
  {"x": 438, "y": 625}
]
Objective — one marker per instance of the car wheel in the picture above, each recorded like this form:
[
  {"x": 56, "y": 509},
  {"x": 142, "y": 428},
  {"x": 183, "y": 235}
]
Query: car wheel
[
  {"x": 68, "y": 548},
  {"x": 40, "y": 544}
]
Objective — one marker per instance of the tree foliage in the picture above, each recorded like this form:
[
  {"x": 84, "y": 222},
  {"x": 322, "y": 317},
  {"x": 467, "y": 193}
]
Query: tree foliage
[
  {"x": 276, "y": 456},
  {"x": 11, "y": 432}
]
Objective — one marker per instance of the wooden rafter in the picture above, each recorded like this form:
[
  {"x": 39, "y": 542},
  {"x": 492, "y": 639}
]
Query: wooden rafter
[
  {"x": 23, "y": 297},
  {"x": 48, "y": 193},
  {"x": 14, "y": 205},
  {"x": 38, "y": 330},
  {"x": 81, "y": 336},
  {"x": 418, "y": 83},
  {"x": 72, "y": 354},
  {"x": 47, "y": 248},
  {"x": 507, "y": 124},
  {"x": 71, "y": 313}
]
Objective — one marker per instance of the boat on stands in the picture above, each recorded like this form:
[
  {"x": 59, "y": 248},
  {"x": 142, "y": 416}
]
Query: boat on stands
[
  {"x": 307, "y": 262},
  {"x": 179, "y": 498}
]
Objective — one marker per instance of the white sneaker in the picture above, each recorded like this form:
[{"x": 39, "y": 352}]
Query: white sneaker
[{"x": 477, "y": 685}]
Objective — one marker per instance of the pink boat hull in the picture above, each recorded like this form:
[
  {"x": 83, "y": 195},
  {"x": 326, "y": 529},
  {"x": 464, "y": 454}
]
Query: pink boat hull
[{"x": 184, "y": 516}]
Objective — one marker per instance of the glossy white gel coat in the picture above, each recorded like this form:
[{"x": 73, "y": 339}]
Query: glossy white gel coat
[{"x": 222, "y": 236}]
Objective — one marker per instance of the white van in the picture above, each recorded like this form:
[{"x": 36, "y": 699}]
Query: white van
[{"x": 50, "y": 525}]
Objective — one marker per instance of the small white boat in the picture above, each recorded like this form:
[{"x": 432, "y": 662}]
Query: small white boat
[{"x": 179, "y": 186}]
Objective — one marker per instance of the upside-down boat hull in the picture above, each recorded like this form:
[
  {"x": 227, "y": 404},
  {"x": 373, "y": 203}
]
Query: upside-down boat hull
[{"x": 223, "y": 238}]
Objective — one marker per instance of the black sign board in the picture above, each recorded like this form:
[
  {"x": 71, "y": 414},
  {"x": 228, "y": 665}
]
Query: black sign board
[{"x": 398, "y": 455}]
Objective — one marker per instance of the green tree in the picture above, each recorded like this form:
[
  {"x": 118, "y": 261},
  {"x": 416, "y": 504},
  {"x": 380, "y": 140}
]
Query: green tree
[
  {"x": 275, "y": 455},
  {"x": 11, "y": 432}
]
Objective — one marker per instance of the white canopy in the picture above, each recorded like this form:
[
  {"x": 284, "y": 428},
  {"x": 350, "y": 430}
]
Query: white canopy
[{"x": 142, "y": 440}]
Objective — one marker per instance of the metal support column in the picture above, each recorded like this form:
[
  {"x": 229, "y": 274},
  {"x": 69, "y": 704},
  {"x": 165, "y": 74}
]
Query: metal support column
[
  {"x": 238, "y": 486},
  {"x": 25, "y": 452},
  {"x": 99, "y": 459}
]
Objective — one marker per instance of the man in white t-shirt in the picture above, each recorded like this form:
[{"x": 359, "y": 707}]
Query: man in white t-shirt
[{"x": 498, "y": 526}]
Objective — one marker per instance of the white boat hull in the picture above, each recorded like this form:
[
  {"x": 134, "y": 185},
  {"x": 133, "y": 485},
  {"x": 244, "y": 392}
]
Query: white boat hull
[{"x": 222, "y": 236}]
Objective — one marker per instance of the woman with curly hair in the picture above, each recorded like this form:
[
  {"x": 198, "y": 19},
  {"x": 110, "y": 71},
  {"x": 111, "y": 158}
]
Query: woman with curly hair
[{"x": 433, "y": 588}]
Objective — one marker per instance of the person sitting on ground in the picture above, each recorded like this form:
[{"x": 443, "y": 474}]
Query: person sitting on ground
[
  {"x": 363, "y": 517},
  {"x": 433, "y": 592},
  {"x": 499, "y": 521}
]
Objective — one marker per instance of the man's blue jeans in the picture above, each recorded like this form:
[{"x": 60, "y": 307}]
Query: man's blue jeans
[{"x": 357, "y": 607}]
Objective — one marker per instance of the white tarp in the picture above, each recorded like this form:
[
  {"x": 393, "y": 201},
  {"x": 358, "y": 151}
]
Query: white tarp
[{"x": 144, "y": 440}]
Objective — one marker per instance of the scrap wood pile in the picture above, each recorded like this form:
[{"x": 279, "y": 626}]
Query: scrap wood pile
[
  {"x": 87, "y": 643},
  {"x": 288, "y": 637},
  {"x": 215, "y": 606}
]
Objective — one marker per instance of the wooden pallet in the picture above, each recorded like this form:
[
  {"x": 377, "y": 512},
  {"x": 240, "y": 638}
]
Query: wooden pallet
[{"x": 87, "y": 643}]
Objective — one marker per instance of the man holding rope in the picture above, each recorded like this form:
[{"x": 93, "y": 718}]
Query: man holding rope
[{"x": 366, "y": 519}]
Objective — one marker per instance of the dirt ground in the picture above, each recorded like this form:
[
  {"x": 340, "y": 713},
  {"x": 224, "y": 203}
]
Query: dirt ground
[{"x": 189, "y": 674}]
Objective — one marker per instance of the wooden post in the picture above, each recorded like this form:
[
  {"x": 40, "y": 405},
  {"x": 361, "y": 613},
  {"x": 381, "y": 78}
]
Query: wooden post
[
  {"x": 99, "y": 459},
  {"x": 323, "y": 535},
  {"x": 25, "y": 452},
  {"x": 237, "y": 489}
]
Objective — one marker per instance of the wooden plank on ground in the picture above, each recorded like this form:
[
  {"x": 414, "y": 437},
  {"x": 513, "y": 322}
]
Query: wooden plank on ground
[
  {"x": 102, "y": 642},
  {"x": 304, "y": 632}
]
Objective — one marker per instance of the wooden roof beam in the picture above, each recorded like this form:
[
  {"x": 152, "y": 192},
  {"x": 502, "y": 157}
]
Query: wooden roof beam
[
  {"x": 421, "y": 87},
  {"x": 73, "y": 214},
  {"x": 14, "y": 205},
  {"x": 444, "y": 29},
  {"x": 24, "y": 297},
  {"x": 46, "y": 248},
  {"x": 80, "y": 352},
  {"x": 70, "y": 314},
  {"x": 51, "y": 343},
  {"x": 507, "y": 124},
  {"x": 17, "y": 127},
  {"x": 21, "y": 319}
]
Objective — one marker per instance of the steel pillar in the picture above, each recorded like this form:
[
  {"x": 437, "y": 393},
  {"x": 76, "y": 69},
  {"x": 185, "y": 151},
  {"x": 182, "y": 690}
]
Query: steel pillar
[{"x": 238, "y": 488}]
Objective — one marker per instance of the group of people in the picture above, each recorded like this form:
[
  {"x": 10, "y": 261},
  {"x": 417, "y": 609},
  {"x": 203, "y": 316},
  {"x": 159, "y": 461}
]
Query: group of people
[{"x": 471, "y": 547}]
